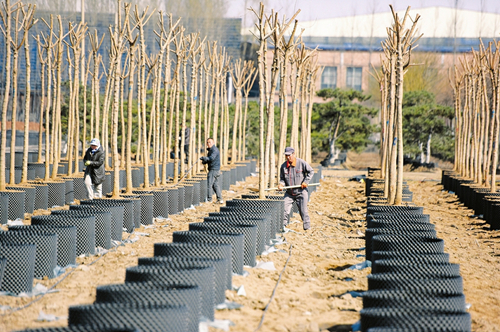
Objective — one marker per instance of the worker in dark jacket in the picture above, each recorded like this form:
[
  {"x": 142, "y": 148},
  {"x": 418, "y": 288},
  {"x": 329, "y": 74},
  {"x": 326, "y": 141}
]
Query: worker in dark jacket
[
  {"x": 213, "y": 161},
  {"x": 295, "y": 171},
  {"x": 94, "y": 172}
]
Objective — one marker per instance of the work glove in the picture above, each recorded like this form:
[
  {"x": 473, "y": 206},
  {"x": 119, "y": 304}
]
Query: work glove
[
  {"x": 204, "y": 159},
  {"x": 87, "y": 163},
  {"x": 303, "y": 185},
  {"x": 280, "y": 187}
]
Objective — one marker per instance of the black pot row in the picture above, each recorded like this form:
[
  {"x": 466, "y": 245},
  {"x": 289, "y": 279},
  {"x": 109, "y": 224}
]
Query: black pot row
[
  {"x": 413, "y": 286},
  {"x": 183, "y": 281},
  {"x": 486, "y": 204}
]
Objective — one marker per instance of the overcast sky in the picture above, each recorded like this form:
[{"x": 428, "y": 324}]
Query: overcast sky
[{"x": 320, "y": 9}]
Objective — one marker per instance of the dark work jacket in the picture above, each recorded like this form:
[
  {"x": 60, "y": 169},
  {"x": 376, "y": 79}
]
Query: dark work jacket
[
  {"x": 292, "y": 176},
  {"x": 96, "y": 167},
  {"x": 213, "y": 159}
]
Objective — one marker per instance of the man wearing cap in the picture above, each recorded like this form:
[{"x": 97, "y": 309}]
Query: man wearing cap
[
  {"x": 295, "y": 171},
  {"x": 213, "y": 162},
  {"x": 94, "y": 172}
]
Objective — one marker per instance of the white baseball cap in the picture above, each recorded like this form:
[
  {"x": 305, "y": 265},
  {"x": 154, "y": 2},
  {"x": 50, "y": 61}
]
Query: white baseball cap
[{"x": 95, "y": 142}]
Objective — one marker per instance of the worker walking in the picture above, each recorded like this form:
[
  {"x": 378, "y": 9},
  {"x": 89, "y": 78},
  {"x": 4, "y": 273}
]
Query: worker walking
[
  {"x": 94, "y": 172},
  {"x": 213, "y": 162},
  {"x": 295, "y": 171}
]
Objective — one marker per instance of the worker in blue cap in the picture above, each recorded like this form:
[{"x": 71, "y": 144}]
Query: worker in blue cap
[{"x": 295, "y": 171}]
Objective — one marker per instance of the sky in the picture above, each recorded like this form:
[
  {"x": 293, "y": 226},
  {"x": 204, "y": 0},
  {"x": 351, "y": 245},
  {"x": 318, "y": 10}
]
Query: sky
[{"x": 311, "y": 10}]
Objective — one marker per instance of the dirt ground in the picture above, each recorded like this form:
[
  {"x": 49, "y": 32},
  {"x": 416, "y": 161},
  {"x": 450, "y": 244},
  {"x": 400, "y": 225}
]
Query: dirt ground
[{"x": 313, "y": 292}]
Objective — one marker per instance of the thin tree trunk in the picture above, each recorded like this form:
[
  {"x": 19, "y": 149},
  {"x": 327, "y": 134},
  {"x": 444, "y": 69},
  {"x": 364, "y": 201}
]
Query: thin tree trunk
[{"x": 6, "y": 16}]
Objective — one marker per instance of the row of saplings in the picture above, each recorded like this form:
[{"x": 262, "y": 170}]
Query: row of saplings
[{"x": 183, "y": 282}]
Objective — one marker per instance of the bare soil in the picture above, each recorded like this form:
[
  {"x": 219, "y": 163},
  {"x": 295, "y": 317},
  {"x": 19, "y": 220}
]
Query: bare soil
[{"x": 313, "y": 292}]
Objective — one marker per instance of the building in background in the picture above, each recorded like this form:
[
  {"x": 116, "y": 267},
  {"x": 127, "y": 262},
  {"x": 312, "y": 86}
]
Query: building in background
[{"x": 349, "y": 46}]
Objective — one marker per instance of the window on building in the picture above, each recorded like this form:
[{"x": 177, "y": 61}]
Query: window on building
[
  {"x": 353, "y": 78},
  {"x": 329, "y": 78}
]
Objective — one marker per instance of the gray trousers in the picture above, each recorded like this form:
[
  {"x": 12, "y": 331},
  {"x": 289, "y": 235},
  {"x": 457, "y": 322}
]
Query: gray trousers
[
  {"x": 301, "y": 201},
  {"x": 213, "y": 185},
  {"x": 93, "y": 191}
]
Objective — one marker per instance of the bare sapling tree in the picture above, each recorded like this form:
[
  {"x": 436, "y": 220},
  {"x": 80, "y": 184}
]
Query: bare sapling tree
[
  {"x": 131, "y": 39},
  {"x": 287, "y": 48},
  {"x": 77, "y": 34},
  {"x": 95, "y": 110},
  {"x": 188, "y": 49},
  {"x": 28, "y": 23},
  {"x": 117, "y": 43},
  {"x": 6, "y": 14},
  {"x": 164, "y": 44},
  {"x": 43, "y": 65},
  {"x": 313, "y": 73},
  {"x": 179, "y": 51},
  {"x": 86, "y": 69},
  {"x": 275, "y": 38},
  {"x": 141, "y": 20},
  {"x": 15, "y": 46},
  {"x": 199, "y": 143},
  {"x": 456, "y": 80},
  {"x": 494, "y": 69},
  {"x": 219, "y": 71},
  {"x": 239, "y": 76},
  {"x": 196, "y": 61},
  {"x": 56, "y": 113},
  {"x": 390, "y": 175},
  {"x": 212, "y": 50},
  {"x": 225, "y": 117},
  {"x": 253, "y": 74},
  {"x": 381, "y": 78},
  {"x": 209, "y": 92},
  {"x": 301, "y": 58},
  {"x": 152, "y": 64},
  {"x": 263, "y": 34},
  {"x": 278, "y": 58},
  {"x": 486, "y": 116},
  {"x": 401, "y": 41},
  {"x": 166, "y": 39},
  {"x": 466, "y": 120},
  {"x": 47, "y": 45}
]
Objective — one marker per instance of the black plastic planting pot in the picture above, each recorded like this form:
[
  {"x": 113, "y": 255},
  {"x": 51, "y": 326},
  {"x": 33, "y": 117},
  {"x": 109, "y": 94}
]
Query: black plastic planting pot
[
  {"x": 228, "y": 218},
  {"x": 128, "y": 212},
  {"x": 29, "y": 197},
  {"x": 192, "y": 262},
  {"x": 197, "y": 250},
  {"x": 19, "y": 268},
  {"x": 144, "y": 317},
  {"x": 415, "y": 320},
  {"x": 116, "y": 216},
  {"x": 417, "y": 300},
  {"x": 430, "y": 283},
  {"x": 85, "y": 229},
  {"x": 273, "y": 206},
  {"x": 15, "y": 206},
  {"x": 202, "y": 277},
  {"x": 102, "y": 224},
  {"x": 415, "y": 230},
  {"x": 249, "y": 232},
  {"x": 83, "y": 328},
  {"x": 46, "y": 249},
  {"x": 147, "y": 201},
  {"x": 57, "y": 194},
  {"x": 146, "y": 292},
  {"x": 66, "y": 240},
  {"x": 235, "y": 240}
]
